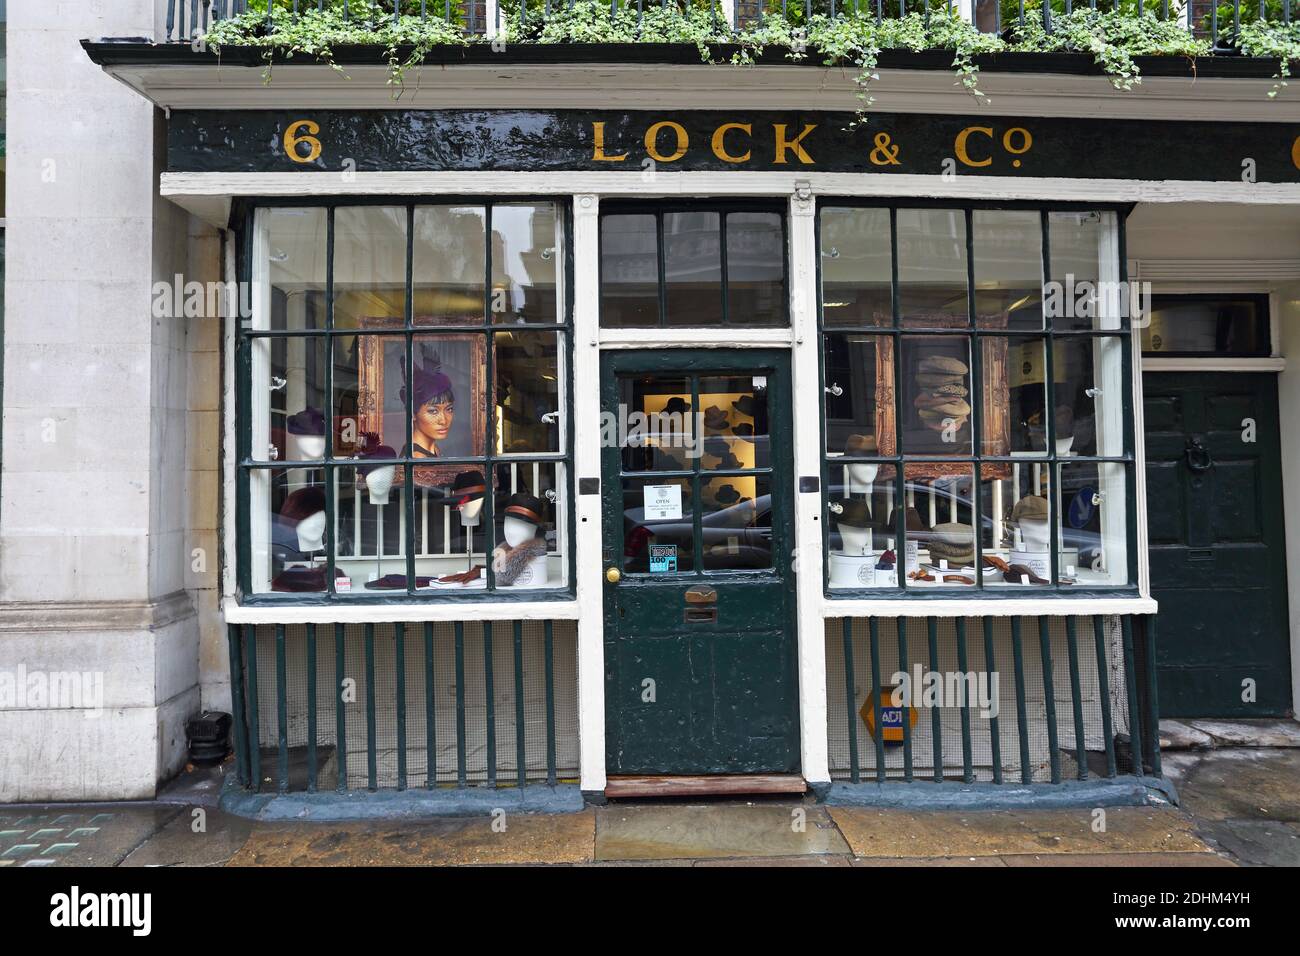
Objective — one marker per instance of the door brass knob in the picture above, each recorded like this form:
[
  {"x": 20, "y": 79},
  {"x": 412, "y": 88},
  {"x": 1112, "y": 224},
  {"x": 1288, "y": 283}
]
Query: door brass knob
[{"x": 612, "y": 576}]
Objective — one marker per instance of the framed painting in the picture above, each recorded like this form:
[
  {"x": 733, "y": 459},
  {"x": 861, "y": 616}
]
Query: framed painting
[{"x": 447, "y": 396}]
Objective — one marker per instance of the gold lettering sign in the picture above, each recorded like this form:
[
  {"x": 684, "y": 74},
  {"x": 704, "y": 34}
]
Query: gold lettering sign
[
  {"x": 652, "y": 138},
  {"x": 959, "y": 145},
  {"x": 292, "y": 139},
  {"x": 720, "y": 147},
  {"x": 598, "y": 134},
  {"x": 784, "y": 145},
  {"x": 1295, "y": 153}
]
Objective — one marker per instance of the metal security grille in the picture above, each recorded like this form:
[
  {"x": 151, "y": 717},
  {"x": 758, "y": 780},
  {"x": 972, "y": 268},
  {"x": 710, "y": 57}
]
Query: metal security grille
[
  {"x": 1072, "y": 699},
  {"x": 394, "y": 706}
]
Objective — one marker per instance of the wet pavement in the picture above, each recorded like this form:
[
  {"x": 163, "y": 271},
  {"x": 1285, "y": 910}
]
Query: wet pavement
[{"x": 1239, "y": 806}]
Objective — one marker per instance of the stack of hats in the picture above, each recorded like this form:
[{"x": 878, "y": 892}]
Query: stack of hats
[
  {"x": 941, "y": 381},
  {"x": 953, "y": 542}
]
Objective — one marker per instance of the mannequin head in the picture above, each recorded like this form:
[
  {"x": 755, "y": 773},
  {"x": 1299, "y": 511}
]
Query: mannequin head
[
  {"x": 854, "y": 526},
  {"x": 378, "y": 478},
  {"x": 468, "y": 491},
  {"x": 311, "y": 532},
  {"x": 306, "y": 435},
  {"x": 304, "y": 511},
  {"x": 523, "y": 518},
  {"x": 379, "y": 481},
  {"x": 517, "y": 531}
]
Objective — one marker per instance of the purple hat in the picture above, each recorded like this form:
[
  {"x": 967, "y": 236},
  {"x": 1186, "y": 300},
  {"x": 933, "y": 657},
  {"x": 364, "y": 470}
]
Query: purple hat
[
  {"x": 303, "y": 503},
  {"x": 429, "y": 381},
  {"x": 309, "y": 421},
  {"x": 370, "y": 447}
]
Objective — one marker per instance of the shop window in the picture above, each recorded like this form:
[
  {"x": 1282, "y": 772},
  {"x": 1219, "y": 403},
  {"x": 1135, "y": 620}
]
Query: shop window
[
  {"x": 404, "y": 402},
  {"x": 692, "y": 266},
  {"x": 976, "y": 364},
  {"x": 1236, "y": 326}
]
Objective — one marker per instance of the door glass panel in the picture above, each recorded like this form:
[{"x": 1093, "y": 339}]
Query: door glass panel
[
  {"x": 658, "y": 526},
  {"x": 655, "y": 424},
  {"x": 736, "y": 518},
  {"x": 1207, "y": 325},
  {"x": 734, "y": 422}
]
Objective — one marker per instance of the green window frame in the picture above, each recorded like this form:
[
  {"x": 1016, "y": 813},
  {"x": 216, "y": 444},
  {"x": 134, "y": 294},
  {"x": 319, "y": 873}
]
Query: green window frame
[
  {"x": 499, "y": 466},
  {"x": 891, "y": 330}
]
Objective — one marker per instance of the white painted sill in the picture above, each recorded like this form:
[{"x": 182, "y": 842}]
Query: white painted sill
[
  {"x": 235, "y": 613},
  {"x": 1028, "y": 607}
]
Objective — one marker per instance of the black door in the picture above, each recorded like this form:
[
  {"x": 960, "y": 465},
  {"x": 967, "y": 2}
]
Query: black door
[
  {"x": 699, "y": 592},
  {"x": 1218, "y": 559}
]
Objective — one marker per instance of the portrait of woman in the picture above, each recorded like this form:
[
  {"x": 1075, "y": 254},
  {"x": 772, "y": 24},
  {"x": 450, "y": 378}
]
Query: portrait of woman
[{"x": 442, "y": 396}]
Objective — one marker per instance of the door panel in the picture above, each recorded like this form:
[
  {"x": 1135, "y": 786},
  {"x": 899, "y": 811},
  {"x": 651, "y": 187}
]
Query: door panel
[
  {"x": 699, "y": 630},
  {"x": 1218, "y": 559}
]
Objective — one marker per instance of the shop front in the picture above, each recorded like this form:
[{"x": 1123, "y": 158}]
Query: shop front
[{"x": 653, "y": 449}]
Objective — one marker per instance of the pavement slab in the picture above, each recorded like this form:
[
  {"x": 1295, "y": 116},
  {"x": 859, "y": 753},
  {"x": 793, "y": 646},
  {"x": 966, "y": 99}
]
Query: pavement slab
[
  {"x": 1245, "y": 784},
  {"x": 526, "y": 839},
  {"x": 899, "y": 833},
  {"x": 197, "y": 836},
  {"x": 1250, "y": 733},
  {"x": 1118, "y": 860},
  {"x": 714, "y": 831},
  {"x": 926, "y": 861},
  {"x": 1256, "y": 842},
  {"x": 66, "y": 835}
]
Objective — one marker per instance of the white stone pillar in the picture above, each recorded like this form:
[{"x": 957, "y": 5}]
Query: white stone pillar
[{"x": 93, "y": 536}]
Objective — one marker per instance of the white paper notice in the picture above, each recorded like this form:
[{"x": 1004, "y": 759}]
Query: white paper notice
[{"x": 663, "y": 502}]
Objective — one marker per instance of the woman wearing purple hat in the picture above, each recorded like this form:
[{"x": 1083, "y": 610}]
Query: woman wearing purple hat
[{"x": 433, "y": 404}]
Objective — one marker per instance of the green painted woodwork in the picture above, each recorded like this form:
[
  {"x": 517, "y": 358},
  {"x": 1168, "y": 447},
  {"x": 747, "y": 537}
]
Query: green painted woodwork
[
  {"x": 725, "y": 691},
  {"x": 1218, "y": 559}
]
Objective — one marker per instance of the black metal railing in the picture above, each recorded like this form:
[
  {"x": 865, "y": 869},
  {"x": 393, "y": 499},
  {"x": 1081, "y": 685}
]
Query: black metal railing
[
  {"x": 1078, "y": 700},
  {"x": 398, "y": 706},
  {"x": 1218, "y": 21}
]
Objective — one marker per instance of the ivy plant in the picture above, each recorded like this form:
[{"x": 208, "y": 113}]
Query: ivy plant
[{"x": 1112, "y": 37}]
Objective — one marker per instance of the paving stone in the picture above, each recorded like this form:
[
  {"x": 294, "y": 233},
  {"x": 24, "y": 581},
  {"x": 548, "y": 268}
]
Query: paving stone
[
  {"x": 900, "y": 833},
  {"x": 1118, "y": 860},
  {"x": 1256, "y": 842},
  {"x": 782, "y": 861},
  {"x": 527, "y": 838},
  {"x": 713, "y": 831},
  {"x": 929, "y": 861},
  {"x": 1250, "y": 733},
  {"x": 1244, "y": 784},
  {"x": 78, "y": 836},
  {"x": 1176, "y": 735},
  {"x": 178, "y": 843}
]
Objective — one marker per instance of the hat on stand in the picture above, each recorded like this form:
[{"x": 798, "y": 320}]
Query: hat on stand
[
  {"x": 527, "y": 508},
  {"x": 468, "y": 487}
]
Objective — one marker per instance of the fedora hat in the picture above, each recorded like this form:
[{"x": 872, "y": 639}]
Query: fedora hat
[
  {"x": 715, "y": 418},
  {"x": 745, "y": 405},
  {"x": 861, "y": 446},
  {"x": 854, "y": 513},
  {"x": 526, "y": 507}
]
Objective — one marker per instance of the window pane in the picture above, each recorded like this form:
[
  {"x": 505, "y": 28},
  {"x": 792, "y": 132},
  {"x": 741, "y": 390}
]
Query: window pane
[
  {"x": 1089, "y": 376},
  {"x": 755, "y": 269},
  {"x": 369, "y": 265},
  {"x": 736, "y": 517},
  {"x": 287, "y": 508},
  {"x": 932, "y": 279},
  {"x": 945, "y": 535},
  {"x": 735, "y": 422},
  {"x": 1207, "y": 325},
  {"x": 446, "y": 398},
  {"x": 1093, "y": 511},
  {"x": 658, "y": 526},
  {"x": 934, "y": 407},
  {"x": 856, "y": 267},
  {"x": 1027, "y": 391},
  {"x": 289, "y": 403},
  {"x": 629, "y": 271},
  {"x": 294, "y": 250},
  {"x": 449, "y": 259},
  {"x": 528, "y": 526},
  {"x": 525, "y": 250},
  {"x": 1016, "y": 502},
  {"x": 1085, "y": 292},
  {"x": 527, "y": 395},
  {"x": 369, "y": 540},
  {"x": 658, "y": 430},
  {"x": 860, "y": 367},
  {"x": 692, "y": 268},
  {"x": 862, "y": 542},
  {"x": 1008, "y": 249}
]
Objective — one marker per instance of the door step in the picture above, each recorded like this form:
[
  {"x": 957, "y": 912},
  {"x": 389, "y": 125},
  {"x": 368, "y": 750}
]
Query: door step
[{"x": 703, "y": 786}]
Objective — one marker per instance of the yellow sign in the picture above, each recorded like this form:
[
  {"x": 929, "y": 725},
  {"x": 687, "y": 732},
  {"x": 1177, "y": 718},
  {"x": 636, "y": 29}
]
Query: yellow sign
[{"x": 891, "y": 715}]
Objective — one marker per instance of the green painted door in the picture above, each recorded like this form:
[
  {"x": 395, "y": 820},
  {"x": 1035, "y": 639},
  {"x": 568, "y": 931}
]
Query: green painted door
[
  {"x": 700, "y": 625},
  {"x": 1218, "y": 559}
]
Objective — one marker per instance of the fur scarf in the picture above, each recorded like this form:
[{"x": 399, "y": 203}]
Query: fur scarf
[{"x": 509, "y": 563}]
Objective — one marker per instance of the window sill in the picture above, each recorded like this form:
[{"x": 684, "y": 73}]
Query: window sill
[
  {"x": 562, "y": 607},
  {"x": 1041, "y": 605}
]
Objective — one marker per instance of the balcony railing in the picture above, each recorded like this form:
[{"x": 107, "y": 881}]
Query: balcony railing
[{"x": 1219, "y": 22}]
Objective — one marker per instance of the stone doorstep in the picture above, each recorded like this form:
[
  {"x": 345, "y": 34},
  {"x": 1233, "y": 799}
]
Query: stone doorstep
[{"x": 1205, "y": 734}]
